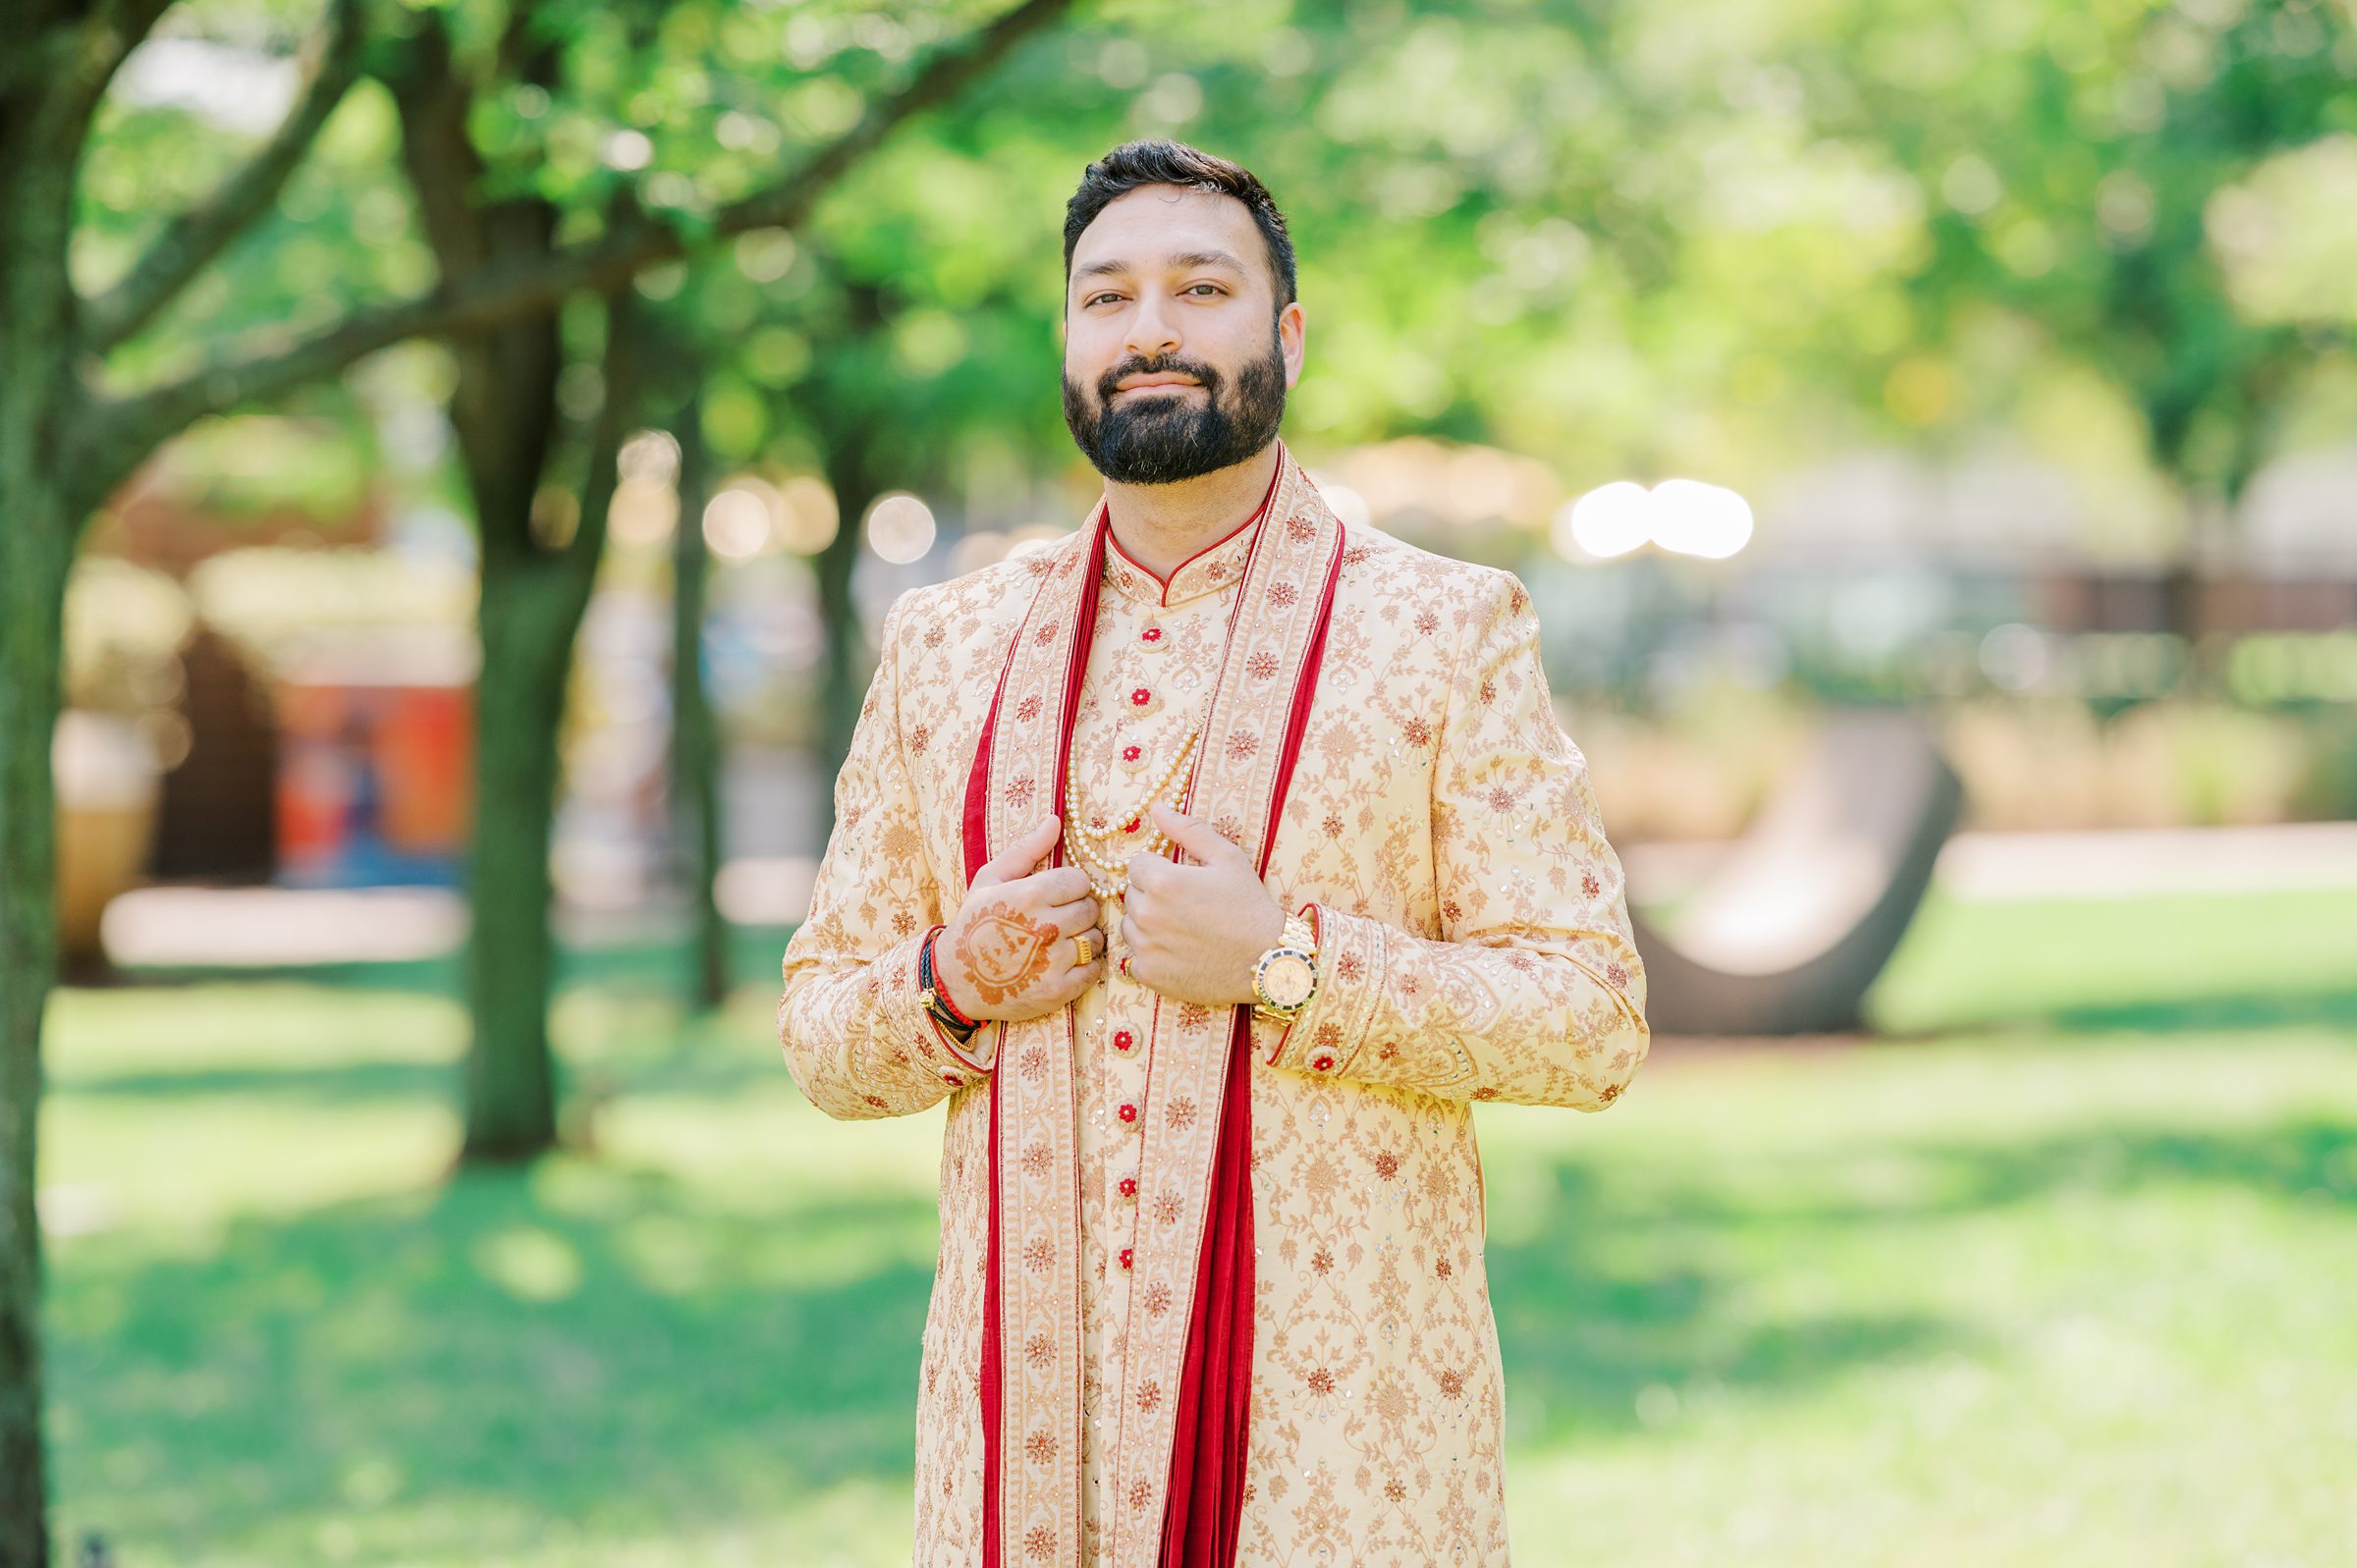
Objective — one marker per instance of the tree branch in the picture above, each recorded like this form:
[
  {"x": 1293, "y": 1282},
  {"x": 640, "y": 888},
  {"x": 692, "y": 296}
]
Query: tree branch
[
  {"x": 199, "y": 235},
  {"x": 620, "y": 370},
  {"x": 46, "y": 37},
  {"x": 128, "y": 427},
  {"x": 55, "y": 72}
]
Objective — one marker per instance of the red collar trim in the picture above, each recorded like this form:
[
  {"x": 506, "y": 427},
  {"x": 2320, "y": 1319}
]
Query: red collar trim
[{"x": 1163, "y": 584}]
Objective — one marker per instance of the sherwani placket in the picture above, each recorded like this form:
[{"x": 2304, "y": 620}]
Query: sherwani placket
[{"x": 1149, "y": 677}]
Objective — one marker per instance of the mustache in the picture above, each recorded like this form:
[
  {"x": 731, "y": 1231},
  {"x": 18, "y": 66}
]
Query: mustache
[{"x": 1167, "y": 365}]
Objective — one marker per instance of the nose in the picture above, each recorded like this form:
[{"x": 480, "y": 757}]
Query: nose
[{"x": 1152, "y": 330}]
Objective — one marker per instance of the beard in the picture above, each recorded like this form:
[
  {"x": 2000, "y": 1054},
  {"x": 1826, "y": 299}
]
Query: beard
[{"x": 1160, "y": 438}]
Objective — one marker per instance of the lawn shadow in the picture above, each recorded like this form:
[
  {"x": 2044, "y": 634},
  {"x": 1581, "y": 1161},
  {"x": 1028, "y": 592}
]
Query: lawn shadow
[
  {"x": 337, "y": 1083},
  {"x": 662, "y": 964},
  {"x": 1588, "y": 1325},
  {"x": 586, "y": 1343},
  {"x": 700, "y": 1066},
  {"x": 1584, "y": 1338},
  {"x": 2275, "y": 1010},
  {"x": 2155, "y": 1017},
  {"x": 624, "y": 1352},
  {"x": 2311, "y": 1159}
]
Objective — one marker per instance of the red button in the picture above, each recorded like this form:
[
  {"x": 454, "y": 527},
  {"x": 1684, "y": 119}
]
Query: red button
[
  {"x": 1141, "y": 697},
  {"x": 1150, "y": 634},
  {"x": 951, "y": 1079},
  {"x": 1129, "y": 1258},
  {"x": 1130, "y": 826},
  {"x": 1128, "y": 1186},
  {"x": 1128, "y": 1112},
  {"x": 1123, "y": 1040},
  {"x": 1131, "y": 753},
  {"x": 1324, "y": 1065}
]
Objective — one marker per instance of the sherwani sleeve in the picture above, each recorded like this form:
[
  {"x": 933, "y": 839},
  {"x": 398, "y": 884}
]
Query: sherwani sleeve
[
  {"x": 1535, "y": 993},
  {"x": 857, "y": 1035}
]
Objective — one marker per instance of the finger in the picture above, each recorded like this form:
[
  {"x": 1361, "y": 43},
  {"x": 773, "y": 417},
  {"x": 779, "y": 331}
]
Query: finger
[
  {"x": 1058, "y": 885},
  {"x": 1021, "y": 858},
  {"x": 1130, "y": 933},
  {"x": 1145, "y": 872},
  {"x": 1086, "y": 899},
  {"x": 1194, "y": 836},
  {"x": 1084, "y": 914},
  {"x": 1080, "y": 978}
]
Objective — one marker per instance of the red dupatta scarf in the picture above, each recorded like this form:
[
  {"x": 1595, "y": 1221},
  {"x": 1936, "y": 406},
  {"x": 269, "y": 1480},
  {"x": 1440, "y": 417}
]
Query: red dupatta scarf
[{"x": 1181, "y": 1449}]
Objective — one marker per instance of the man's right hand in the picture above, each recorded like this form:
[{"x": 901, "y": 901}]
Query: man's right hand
[{"x": 1008, "y": 953}]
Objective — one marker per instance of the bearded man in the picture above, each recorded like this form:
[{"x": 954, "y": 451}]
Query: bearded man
[{"x": 1211, "y": 863}]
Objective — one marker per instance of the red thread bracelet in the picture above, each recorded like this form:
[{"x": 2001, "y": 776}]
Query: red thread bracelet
[{"x": 939, "y": 991}]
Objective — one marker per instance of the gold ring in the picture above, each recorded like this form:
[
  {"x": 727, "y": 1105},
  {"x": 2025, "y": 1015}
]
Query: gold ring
[{"x": 1086, "y": 942}]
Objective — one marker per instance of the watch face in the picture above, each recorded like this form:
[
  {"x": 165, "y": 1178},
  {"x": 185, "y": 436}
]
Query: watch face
[{"x": 1289, "y": 979}]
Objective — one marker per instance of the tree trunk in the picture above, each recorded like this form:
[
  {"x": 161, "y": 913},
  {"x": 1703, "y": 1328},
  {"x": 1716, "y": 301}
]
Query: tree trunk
[
  {"x": 39, "y": 402},
  {"x": 845, "y": 668},
  {"x": 847, "y": 424},
  {"x": 35, "y": 542},
  {"x": 527, "y": 621},
  {"x": 535, "y": 591},
  {"x": 694, "y": 738}
]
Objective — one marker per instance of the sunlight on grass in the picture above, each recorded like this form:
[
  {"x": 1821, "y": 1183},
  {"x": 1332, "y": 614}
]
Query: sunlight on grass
[{"x": 2068, "y": 1277}]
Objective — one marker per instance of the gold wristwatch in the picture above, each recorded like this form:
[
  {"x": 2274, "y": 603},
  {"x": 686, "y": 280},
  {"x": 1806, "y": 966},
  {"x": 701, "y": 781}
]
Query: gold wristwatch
[{"x": 1285, "y": 976}]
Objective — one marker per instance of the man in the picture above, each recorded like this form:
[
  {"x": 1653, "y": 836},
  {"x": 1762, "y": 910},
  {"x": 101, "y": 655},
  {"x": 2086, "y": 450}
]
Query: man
[{"x": 1210, "y": 1287}]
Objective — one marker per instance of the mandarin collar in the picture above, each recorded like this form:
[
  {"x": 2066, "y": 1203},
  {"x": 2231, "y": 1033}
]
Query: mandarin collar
[{"x": 1215, "y": 569}]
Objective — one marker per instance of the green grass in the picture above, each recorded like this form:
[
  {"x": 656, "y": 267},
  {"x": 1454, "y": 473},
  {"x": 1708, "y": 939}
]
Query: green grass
[{"x": 2060, "y": 1271}]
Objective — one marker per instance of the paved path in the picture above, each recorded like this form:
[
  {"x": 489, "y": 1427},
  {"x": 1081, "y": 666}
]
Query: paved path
[
  {"x": 235, "y": 927},
  {"x": 2116, "y": 863}
]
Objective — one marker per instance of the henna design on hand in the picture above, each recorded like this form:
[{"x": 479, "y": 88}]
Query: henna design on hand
[{"x": 1004, "y": 954}]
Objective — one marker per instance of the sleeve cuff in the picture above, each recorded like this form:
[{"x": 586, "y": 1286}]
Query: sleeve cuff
[
  {"x": 913, "y": 1022},
  {"x": 967, "y": 1057},
  {"x": 1330, "y": 1034}
]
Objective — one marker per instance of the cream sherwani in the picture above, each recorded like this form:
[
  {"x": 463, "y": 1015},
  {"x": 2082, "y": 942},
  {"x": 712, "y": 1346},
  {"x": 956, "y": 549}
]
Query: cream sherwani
[{"x": 1377, "y": 731}]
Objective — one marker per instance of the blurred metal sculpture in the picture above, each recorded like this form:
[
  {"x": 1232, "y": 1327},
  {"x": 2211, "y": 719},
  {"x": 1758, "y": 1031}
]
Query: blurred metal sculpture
[{"x": 1793, "y": 926}]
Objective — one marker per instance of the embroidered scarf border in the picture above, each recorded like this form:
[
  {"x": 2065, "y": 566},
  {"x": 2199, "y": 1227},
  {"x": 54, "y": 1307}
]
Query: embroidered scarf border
[{"x": 1182, "y": 1441}]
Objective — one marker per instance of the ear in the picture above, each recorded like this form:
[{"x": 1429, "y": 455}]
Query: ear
[{"x": 1293, "y": 341}]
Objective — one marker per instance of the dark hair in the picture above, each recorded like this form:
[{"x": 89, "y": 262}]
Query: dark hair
[{"x": 1174, "y": 163}]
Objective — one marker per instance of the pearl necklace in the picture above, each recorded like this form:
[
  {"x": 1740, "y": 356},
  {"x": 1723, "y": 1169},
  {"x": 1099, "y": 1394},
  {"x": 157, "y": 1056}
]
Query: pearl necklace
[{"x": 1090, "y": 846}]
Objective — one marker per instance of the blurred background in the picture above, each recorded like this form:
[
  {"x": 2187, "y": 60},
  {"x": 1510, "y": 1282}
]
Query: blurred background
[{"x": 1930, "y": 437}]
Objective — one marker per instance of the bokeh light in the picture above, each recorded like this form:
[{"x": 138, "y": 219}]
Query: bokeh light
[
  {"x": 737, "y": 521},
  {"x": 900, "y": 528},
  {"x": 1610, "y": 520},
  {"x": 646, "y": 505},
  {"x": 1685, "y": 517},
  {"x": 1694, "y": 518},
  {"x": 808, "y": 517}
]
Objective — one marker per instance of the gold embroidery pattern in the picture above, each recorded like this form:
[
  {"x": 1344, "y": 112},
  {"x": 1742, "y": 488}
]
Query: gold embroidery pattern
[
  {"x": 1478, "y": 949},
  {"x": 1183, "y": 1106},
  {"x": 1039, "y": 1487}
]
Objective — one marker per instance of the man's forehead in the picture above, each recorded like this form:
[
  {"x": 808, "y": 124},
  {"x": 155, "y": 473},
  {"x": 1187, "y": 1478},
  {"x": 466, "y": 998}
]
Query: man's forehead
[{"x": 1166, "y": 226}]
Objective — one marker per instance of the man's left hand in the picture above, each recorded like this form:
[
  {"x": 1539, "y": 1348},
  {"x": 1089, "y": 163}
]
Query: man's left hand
[{"x": 1195, "y": 932}]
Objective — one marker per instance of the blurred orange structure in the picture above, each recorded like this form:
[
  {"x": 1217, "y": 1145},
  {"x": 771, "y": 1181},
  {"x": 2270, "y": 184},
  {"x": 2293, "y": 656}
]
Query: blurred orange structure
[{"x": 376, "y": 768}]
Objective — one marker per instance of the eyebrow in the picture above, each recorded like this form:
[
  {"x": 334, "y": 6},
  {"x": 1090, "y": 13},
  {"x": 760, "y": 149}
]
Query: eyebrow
[{"x": 1184, "y": 259}]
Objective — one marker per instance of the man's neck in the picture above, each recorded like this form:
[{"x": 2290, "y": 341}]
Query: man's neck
[{"x": 1162, "y": 527}]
